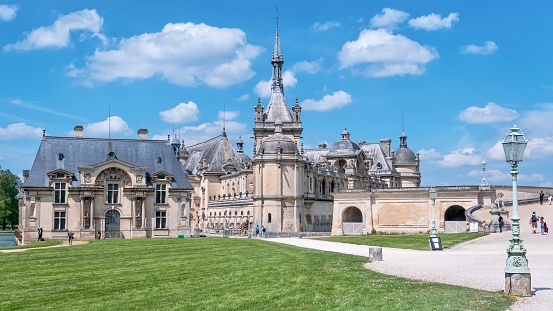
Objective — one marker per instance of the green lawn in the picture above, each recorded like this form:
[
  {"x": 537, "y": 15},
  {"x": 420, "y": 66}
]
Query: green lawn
[
  {"x": 406, "y": 241},
  {"x": 34, "y": 244},
  {"x": 215, "y": 274}
]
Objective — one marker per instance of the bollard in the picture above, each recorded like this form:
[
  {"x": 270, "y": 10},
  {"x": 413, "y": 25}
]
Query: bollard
[{"x": 375, "y": 253}]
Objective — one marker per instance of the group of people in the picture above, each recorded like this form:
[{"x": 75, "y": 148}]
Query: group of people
[
  {"x": 70, "y": 235},
  {"x": 263, "y": 231},
  {"x": 534, "y": 222}
]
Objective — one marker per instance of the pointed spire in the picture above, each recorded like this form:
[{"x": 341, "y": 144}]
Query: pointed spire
[
  {"x": 277, "y": 108},
  {"x": 402, "y": 137},
  {"x": 277, "y": 62}
]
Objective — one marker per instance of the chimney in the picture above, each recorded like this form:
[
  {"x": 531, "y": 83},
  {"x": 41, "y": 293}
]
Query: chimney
[
  {"x": 78, "y": 131},
  {"x": 385, "y": 145},
  {"x": 143, "y": 134}
]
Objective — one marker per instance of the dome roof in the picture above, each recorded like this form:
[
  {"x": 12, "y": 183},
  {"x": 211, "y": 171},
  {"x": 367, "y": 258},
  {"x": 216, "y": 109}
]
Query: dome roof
[
  {"x": 404, "y": 156},
  {"x": 278, "y": 143},
  {"x": 344, "y": 147}
]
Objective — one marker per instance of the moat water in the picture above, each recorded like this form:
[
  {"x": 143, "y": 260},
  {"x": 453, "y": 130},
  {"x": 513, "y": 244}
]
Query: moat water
[{"x": 7, "y": 239}]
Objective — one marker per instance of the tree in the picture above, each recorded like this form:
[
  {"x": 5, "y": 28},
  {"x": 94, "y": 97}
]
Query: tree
[{"x": 9, "y": 207}]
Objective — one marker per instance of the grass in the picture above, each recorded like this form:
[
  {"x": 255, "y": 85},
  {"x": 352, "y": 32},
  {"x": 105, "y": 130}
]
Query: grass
[
  {"x": 34, "y": 244},
  {"x": 215, "y": 274},
  {"x": 407, "y": 241}
]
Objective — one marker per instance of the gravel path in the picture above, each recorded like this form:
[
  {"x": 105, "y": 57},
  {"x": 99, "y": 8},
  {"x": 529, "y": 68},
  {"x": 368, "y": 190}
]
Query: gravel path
[{"x": 477, "y": 264}]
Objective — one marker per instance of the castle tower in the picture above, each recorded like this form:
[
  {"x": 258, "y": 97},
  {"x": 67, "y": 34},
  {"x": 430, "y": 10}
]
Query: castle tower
[{"x": 277, "y": 109}]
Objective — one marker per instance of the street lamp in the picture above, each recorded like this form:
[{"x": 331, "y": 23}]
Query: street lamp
[
  {"x": 433, "y": 195},
  {"x": 517, "y": 273},
  {"x": 484, "y": 182}
]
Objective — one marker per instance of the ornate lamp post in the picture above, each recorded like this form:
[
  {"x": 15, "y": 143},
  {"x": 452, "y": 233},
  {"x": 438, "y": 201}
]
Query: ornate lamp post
[
  {"x": 484, "y": 182},
  {"x": 517, "y": 273},
  {"x": 433, "y": 195}
]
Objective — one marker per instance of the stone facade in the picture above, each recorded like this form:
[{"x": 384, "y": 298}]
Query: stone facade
[
  {"x": 284, "y": 187},
  {"x": 122, "y": 188}
]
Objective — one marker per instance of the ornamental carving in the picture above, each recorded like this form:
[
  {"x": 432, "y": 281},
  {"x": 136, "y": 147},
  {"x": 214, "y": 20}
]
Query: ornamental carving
[{"x": 113, "y": 174}]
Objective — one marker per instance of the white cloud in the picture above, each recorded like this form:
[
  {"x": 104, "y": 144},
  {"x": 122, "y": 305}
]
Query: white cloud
[
  {"x": 429, "y": 155},
  {"x": 389, "y": 18},
  {"x": 538, "y": 120},
  {"x": 113, "y": 125},
  {"x": 434, "y": 21},
  {"x": 496, "y": 152},
  {"x": 8, "y": 12},
  {"x": 182, "y": 113},
  {"x": 2, "y": 158},
  {"x": 227, "y": 115},
  {"x": 329, "y": 102},
  {"x": 490, "y": 114},
  {"x": 197, "y": 134},
  {"x": 309, "y": 67},
  {"x": 185, "y": 54},
  {"x": 58, "y": 34},
  {"x": 385, "y": 54},
  {"x": 263, "y": 87},
  {"x": 497, "y": 176},
  {"x": 325, "y": 26},
  {"x": 20, "y": 131},
  {"x": 461, "y": 157},
  {"x": 243, "y": 97},
  {"x": 489, "y": 47},
  {"x": 540, "y": 147}
]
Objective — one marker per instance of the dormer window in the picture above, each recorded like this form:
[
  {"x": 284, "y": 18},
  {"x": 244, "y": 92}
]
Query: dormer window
[
  {"x": 161, "y": 177},
  {"x": 60, "y": 175}
]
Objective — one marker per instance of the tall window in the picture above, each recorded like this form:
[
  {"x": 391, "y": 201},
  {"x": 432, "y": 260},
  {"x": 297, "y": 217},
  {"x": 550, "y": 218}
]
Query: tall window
[
  {"x": 60, "y": 192},
  {"x": 161, "y": 219},
  {"x": 269, "y": 218},
  {"x": 59, "y": 220},
  {"x": 113, "y": 193},
  {"x": 161, "y": 193}
]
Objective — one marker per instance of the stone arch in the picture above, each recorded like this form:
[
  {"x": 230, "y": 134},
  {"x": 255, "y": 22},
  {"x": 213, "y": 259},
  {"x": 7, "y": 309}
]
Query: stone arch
[
  {"x": 455, "y": 213},
  {"x": 113, "y": 173},
  {"x": 352, "y": 214},
  {"x": 352, "y": 221}
]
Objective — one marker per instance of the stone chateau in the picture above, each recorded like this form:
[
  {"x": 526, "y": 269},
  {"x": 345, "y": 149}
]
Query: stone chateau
[{"x": 131, "y": 188}]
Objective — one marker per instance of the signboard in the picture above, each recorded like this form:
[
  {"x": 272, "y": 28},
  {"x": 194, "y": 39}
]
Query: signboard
[
  {"x": 474, "y": 227},
  {"x": 436, "y": 243}
]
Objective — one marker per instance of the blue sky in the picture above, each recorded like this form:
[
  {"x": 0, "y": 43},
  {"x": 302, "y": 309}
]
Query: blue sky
[{"x": 462, "y": 73}]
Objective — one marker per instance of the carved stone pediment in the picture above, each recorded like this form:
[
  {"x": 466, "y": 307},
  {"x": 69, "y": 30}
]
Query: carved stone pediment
[{"x": 113, "y": 174}]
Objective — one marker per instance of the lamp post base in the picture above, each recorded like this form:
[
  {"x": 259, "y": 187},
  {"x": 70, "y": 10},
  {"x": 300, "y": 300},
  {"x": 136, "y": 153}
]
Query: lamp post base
[{"x": 518, "y": 284}]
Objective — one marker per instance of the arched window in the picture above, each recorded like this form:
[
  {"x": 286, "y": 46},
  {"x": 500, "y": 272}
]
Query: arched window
[{"x": 269, "y": 218}]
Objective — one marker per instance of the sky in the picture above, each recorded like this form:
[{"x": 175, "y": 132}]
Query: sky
[{"x": 455, "y": 75}]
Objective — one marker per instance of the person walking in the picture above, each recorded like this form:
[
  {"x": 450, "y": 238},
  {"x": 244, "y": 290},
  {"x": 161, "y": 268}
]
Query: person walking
[
  {"x": 549, "y": 198},
  {"x": 257, "y": 231},
  {"x": 542, "y": 225},
  {"x": 534, "y": 222},
  {"x": 99, "y": 234},
  {"x": 545, "y": 228},
  {"x": 40, "y": 234},
  {"x": 70, "y": 236},
  {"x": 541, "y": 197},
  {"x": 263, "y": 230},
  {"x": 500, "y": 223}
]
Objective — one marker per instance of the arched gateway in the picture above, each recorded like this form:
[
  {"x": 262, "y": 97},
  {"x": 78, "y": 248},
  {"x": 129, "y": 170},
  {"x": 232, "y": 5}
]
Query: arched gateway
[
  {"x": 455, "y": 219},
  {"x": 352, "y": 221}
]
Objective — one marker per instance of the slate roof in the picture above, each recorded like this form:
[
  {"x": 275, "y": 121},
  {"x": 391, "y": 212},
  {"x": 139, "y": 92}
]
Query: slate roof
[
  {"x": 374, "y": 151},
  {"x": 278, "y": 108},
  {"x": 217, "y": 152},
  {"x": 91, "y": 151}
]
